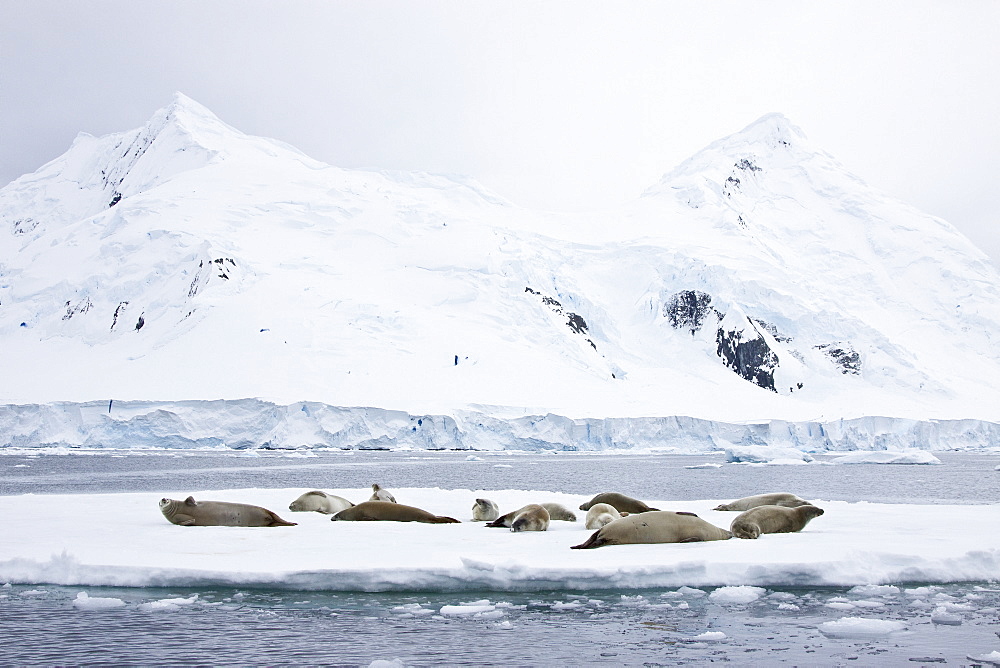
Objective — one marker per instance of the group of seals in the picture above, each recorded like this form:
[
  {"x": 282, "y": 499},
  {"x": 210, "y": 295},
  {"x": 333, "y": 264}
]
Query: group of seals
[
  {"x": 779, "y": 512},
  {"x": 532, "y": 517},
  {"x": 618, "y": 519}
]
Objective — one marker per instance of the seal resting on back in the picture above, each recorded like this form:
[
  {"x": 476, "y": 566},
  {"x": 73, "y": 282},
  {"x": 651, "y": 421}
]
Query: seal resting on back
[
  {"x": 657, "y": 526},
  {"x": 485, "y": 510},
  {"x": 556, "y": 512},
  {"x": 387, "y": 511},
  {"x": 620, "y": 502},
  {"x": 320, "y": 502},
  {"x": 776, "y": 499},
  {"x": 773, "y": 519},
  {"x": 191, "y": 513},
  {"x": 601, "y": 514}
]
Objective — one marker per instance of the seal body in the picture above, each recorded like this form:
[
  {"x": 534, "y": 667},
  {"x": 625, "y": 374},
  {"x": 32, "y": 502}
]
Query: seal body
[
  {"x": 219, "y": 514},
  {"x": 533, "y": 517},
  {"x": 387, "y": 511},
  {"x": 620, "y": 502},
  {"x": 776, "y": 499},
  {"x": 319, "y": 502},
  {"x": 380, "y": 494},
  {"x": 556, "y": 512},
  {"x": 484, "y": 510},
  {"x": 656, "y": 526},
  {"x": 601, "y": 514},
  {"x": 773, "y": 519}
]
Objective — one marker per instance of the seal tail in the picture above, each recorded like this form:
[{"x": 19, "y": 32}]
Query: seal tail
[
  {"x": 278, "y": 522},
  {"x": 594, "y": 541},
  {"x": 441, "y": 519}
]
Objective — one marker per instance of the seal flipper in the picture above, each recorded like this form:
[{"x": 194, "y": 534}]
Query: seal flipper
[
  {"x": 190, "y": 501},
  {"x": 592, "y": 542},
  {"x": 691, "y": 539},
  {"x": 684, "y": 512}
]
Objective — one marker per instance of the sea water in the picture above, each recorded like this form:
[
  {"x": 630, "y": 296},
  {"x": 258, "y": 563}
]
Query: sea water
[{"x": 906, "y": 624}]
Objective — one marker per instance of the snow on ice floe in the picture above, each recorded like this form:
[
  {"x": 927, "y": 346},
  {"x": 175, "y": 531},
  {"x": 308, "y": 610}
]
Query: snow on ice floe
[
  {"x": 763, "y": 454},
  {"x": 888, "y": 457},
  {"x": 993, "y": 658},
  {"x": 867, "y": 545}
]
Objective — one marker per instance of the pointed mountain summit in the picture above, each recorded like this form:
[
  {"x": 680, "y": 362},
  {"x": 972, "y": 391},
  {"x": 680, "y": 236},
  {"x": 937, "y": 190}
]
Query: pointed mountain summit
[{"x": 758, "y": 280}]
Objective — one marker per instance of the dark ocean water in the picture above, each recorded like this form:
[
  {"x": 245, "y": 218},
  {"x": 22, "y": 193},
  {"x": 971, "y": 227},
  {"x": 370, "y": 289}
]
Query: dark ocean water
[{"x": 937, "y": 625}]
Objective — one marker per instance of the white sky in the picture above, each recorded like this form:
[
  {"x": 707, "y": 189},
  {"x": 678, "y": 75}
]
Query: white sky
[{"x": 553, "y": 104}]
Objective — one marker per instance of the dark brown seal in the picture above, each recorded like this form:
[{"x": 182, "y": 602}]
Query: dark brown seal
[
  {"x": 387, "y": 511},
  {"x": 620, "y": 502}
]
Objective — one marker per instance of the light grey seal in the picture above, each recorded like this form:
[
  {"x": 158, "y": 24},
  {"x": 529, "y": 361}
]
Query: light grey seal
[
  {"x": 388, "y": 511},
  {"x": 533, "y": 517},
  {"x": 381, "y": 494},
  {"x": 320, "y": 502},
  {"x": 191, "y": 513},
  {"x": 601, "y": 514},
  {"x": 484, "y": 510},
  {"x": 776, "y": 499},
  {"x": 620, "y": 502},
  {"x": 657, "y": 526},
  {"x": 556, "y": 512},
  {"x": 773, "y": 519}
]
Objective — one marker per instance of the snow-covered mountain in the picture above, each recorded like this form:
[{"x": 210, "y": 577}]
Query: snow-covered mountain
[{"x": 758, "y": 280}]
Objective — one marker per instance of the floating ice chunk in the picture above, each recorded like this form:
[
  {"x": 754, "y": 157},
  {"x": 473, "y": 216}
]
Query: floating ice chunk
[
  {"x": 503, "y": 466},
  {"x": 993, "y": 658},
  {"x": 168, "y": 604},
  {"x": 787, "y": 606},
  {"x": 386, "y": 663},
  {"x": 941, "y": 615},
  {"x": 706, "y": 465},
  {"x": 34, "y": 592},
  {"x": 874, "y": 590},
  {"x": 737, "y": 595},
  {"x": 860, "y": 627},
  {"x": 466, "y": 609},
  {"x": 763, "y": 454},
  {"x": 473, "y": 458},
  {"x": 840, "y": 605},
  {"x": 570, "y": 605},
  {"x": 710, "y": 636},
  {"x": 85, "y": 602},
  {"x": 888, "y": 457}
]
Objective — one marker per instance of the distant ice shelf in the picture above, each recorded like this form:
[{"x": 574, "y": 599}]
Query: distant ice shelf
[{"x": 249, "y": 424}]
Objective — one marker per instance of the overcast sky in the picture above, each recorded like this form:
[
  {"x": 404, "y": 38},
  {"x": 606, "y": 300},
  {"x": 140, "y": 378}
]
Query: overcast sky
[{"x": 563, "y": 105}]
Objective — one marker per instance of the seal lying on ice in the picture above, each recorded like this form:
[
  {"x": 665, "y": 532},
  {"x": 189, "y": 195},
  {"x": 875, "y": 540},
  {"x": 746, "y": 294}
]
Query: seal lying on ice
[
  {"x": 620, "y": 502},
  {"x": 657, "y": 526},
  {"x": 773, "y": 519},
  {"x": 387, "y": 511},
  {"x": 485, "y": 510},
  {"x": 191, "y": 513},
  {"x": 320, "y": 502},
  {"x": 775, "y": 499},
  {"x": 556, "y": 511}
]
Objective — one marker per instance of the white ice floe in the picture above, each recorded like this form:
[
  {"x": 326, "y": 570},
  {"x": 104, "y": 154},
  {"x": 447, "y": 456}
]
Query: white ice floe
[
  {"x": 853, "y": 543},
  {"x": 763, "y": 454},
  {"x": 168, "y": 604},
  {"x": 737, "y": 595},
  {"x": 888, "y": 457},
  {"x": 860, "y": 627},
  {"x": 993, "y": 658},
  {"x": 86, "y": 602}
]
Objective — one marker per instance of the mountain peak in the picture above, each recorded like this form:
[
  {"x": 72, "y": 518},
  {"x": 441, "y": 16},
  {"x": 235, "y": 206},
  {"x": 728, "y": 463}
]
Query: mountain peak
[{"x": 772, "y": 129}]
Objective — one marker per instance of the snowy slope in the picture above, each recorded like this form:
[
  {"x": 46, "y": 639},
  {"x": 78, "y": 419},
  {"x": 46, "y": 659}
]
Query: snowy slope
[{"x": 759, "y": 280}]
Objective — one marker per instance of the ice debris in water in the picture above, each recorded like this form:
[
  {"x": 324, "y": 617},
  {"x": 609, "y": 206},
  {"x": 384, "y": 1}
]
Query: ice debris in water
[
  {"x": 168, "y": 604},
  {"x": 85, "y": 602},
  {"x": 737, "y": 595},
  {"x": 859, "y": 627}
]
